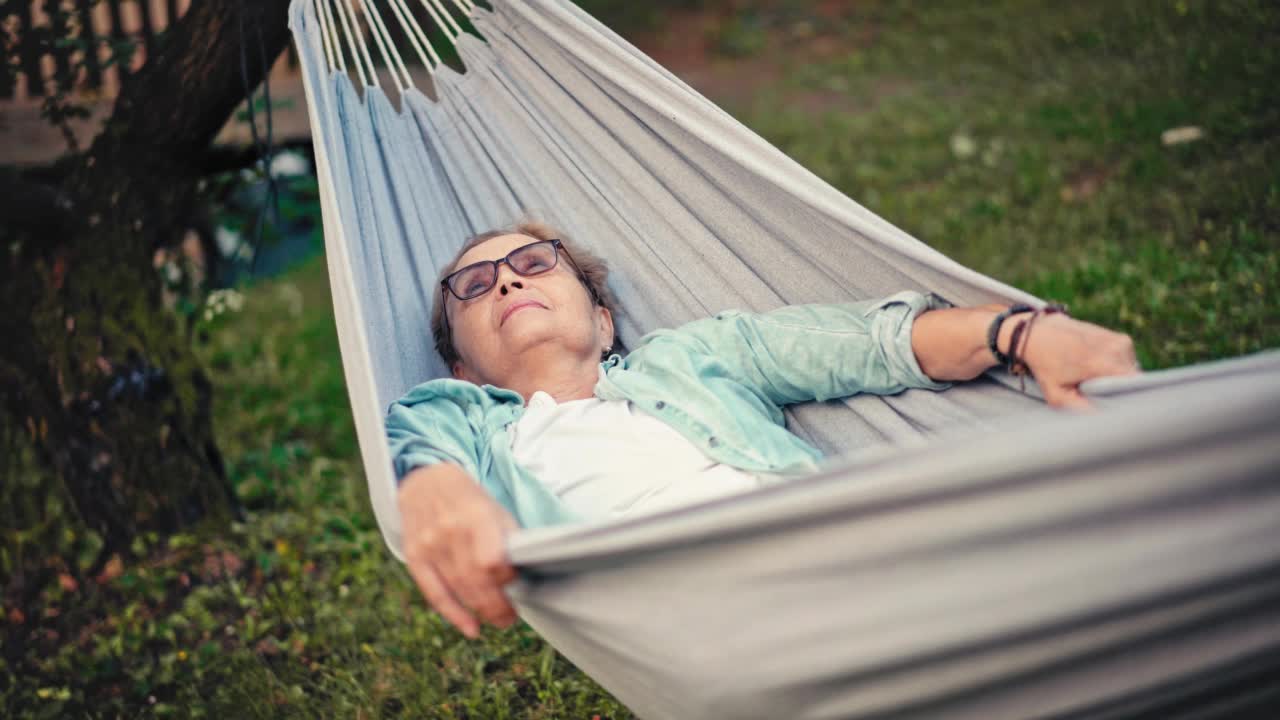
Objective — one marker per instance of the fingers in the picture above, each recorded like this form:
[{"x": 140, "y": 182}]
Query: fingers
[
  {"x": 442, "y": 600},
  {"x": 1069, "y": 398},
  {"x": 491, "y": 561},
  {"x": 461, "y": 571},
  {"x": 1116, "y": 357},
  {"x": 476, "y": 586},
  {"x": 486, "y": 599},
  {"x": 1066, "y": 352},
  {"x": 461, "y": 596},
  {"x": 455, "y": 544}
]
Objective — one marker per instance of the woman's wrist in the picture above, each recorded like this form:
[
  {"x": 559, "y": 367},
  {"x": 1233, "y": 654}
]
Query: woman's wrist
[{"x": 1001, "y": 328}]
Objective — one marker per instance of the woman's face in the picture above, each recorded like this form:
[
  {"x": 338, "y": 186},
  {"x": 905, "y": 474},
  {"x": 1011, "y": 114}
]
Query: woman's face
[{"x": 542, "y": 318}]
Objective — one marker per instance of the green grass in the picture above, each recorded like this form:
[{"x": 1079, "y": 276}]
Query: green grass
[{"x": 1022, "y": 138}]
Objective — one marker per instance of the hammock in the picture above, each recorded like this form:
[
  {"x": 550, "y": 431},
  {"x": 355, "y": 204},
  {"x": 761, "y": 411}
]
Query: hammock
[{"x": 972, "y": 555}]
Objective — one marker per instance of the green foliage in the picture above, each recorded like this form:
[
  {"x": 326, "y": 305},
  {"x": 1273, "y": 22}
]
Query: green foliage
[{"x": 740, "y": 35}]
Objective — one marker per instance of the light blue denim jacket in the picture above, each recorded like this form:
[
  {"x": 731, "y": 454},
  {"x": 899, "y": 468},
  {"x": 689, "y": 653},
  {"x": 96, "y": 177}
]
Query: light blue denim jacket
[{"x": 720, "y": 382}]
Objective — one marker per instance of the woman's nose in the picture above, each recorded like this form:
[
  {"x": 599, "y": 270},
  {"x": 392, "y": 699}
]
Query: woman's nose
[{"x": 507, "y": 277}]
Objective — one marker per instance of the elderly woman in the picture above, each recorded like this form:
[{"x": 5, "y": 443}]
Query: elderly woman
[{"x": 543, "y": 424}]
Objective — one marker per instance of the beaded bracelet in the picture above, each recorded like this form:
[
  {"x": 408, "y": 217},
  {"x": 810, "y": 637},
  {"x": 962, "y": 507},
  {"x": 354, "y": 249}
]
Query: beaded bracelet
[
  {"x": 993, "y": 331},
  {"x": 1013, "y": 363},
  {"x": 1018, "y": 343}
]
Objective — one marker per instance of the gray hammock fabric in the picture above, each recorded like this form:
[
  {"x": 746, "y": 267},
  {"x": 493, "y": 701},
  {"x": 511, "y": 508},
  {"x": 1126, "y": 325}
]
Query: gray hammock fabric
[{"x": 972, "y": 554}]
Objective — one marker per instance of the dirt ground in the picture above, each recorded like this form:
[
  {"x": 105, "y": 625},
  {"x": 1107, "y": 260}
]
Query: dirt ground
[{"x": 689, "y": 46}]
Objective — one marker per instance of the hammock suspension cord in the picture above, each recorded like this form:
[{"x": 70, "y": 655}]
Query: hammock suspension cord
[
  {"x": 390, "y": 56},
  {"x": 347, "y": 26},
  {"x": 419, "y": 39}
]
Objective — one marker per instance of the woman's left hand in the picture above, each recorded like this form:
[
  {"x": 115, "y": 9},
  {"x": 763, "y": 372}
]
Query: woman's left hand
[{"x": 1062, "y": 352}]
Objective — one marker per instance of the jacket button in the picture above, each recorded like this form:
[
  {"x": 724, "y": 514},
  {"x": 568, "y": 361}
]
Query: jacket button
[
  {"x": 660, "y": 405},
  {"x": 713, "y": 441}
]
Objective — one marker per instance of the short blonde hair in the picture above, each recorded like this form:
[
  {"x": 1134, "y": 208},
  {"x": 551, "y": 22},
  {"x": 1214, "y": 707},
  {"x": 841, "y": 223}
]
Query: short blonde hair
[{"x": 591, "y": 269}]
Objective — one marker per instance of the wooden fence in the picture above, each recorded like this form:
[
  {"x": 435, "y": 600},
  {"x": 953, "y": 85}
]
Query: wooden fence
[{"x": 96, "y": 24}]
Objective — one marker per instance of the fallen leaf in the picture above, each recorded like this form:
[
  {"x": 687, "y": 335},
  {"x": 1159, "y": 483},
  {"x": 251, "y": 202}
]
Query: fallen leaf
[
  {"x": 963, "y": 146},
  {"x": 1180, "y": 135},
  {"x": 267, "y": 646},
  {"x": 113, "y": 569},
  {"x": 59, "y": 272}
]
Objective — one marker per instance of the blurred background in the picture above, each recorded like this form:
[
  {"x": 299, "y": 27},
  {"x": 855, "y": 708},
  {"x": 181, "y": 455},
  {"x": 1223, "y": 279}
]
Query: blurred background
[{"x": 1122, "y": 157}]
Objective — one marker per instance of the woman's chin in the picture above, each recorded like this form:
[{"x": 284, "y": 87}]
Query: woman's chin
[
  {"x": 537, "y": 335},
  {"x": 528, "y": 328}
]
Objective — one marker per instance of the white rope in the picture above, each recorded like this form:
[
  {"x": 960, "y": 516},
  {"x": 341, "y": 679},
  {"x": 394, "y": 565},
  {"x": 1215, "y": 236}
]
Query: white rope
[
  {"x": 435, "y": 16},
  {"x": 435, "y": 6},
  {"x": 324, "y": 34},
  {"x": 416, "y": 35},
  {"x": 390, "y": 55},
  {"x": 350, "y": 12},
  {"x": 337, "y": 41},
  {"x": 444, "y": 9},
  {"x": 355, "y": 53}
]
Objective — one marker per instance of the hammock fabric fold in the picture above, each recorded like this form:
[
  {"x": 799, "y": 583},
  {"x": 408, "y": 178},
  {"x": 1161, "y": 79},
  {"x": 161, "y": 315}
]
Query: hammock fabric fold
[{"x": 973, "y": 554}]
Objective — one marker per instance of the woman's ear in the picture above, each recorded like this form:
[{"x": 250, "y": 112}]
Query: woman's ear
[{"x": 605, "y": 320}]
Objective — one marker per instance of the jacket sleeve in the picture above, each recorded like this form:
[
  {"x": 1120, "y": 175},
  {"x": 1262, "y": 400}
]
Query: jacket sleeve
[
  {"x": 425, "y": 428},
  {"x": 817, "y": 352}
]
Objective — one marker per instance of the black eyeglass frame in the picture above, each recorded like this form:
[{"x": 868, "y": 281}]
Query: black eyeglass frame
[{"x": 557, "y": 247}]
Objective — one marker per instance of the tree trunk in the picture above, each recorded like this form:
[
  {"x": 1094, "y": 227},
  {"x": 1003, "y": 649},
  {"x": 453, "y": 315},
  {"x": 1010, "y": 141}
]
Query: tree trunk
[{"x": 97, "y": 371}]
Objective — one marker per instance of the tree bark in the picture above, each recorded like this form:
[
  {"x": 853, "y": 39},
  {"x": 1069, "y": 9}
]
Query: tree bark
[{"x": 97, "y": 371}]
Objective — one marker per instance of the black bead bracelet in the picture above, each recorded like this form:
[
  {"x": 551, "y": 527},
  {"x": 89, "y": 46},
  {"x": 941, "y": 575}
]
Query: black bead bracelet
[{"x": 993, "y": 331}]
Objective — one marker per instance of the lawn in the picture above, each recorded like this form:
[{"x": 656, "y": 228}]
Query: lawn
[
  {"x": 1025, "y": 140},
  {"x": 1022, "y": 138}
]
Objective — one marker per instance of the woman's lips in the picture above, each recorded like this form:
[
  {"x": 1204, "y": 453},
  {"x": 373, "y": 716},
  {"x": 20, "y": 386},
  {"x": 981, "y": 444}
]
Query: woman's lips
[{"x": 516, "y": 306}]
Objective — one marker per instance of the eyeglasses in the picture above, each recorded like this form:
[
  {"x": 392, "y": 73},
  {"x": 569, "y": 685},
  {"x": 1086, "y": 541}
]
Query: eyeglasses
[
  {"x": 479, "y": 278},
  {"x": 529, "y": 260}
]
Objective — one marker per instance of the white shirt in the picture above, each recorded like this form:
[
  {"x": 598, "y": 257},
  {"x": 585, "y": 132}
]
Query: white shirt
[{"x": 603, "y": 458}]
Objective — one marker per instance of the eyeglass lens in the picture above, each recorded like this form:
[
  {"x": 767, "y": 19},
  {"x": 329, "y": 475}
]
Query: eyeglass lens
[{"x": 477, "y": 279}]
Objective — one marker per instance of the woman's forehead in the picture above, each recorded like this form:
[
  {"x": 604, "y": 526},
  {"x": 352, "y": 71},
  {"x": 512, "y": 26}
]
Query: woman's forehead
[{"x": 494, "y": 248}]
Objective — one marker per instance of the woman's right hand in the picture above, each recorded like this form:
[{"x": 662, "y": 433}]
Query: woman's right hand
[{"x": 454, "y": 543}]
